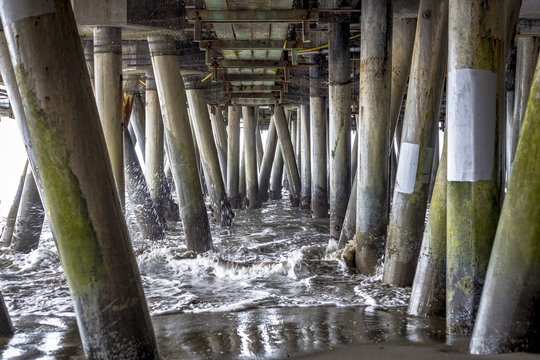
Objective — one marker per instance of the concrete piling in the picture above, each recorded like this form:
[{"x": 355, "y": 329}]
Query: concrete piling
[
  {"x": 420, "y": 128},
  {"x": 528, "y": 48},
  {"x": 242, "y": 180},
  {"x": 287, "y": 152},
  {"x": 220, "y": 138},
  {"x": 29, "y": 218},
  {"x": 403, "y": 34},
  {"x": 151, "y": 224},
  {"x": 138, "y": 122},
  {"x": 180, "y": 148},
  {"x": 508, "y": 318},
  {"x": 276, "y": 175},
  {"x": 475, "y": 83},
  {"x": 154, "y": 149},
  {"x": 7, "y": 231},
  {"x": 6, "y": 327},
  {"x": 233, "y": 156},
  {"x": 267, "y": 162},
  {"x": 209, "y": 157},
  {"x": 354, "y": 155},
  {"x": 317, "y": 106},
  {"x": 66, "y": 146},
  {"x": 108, "y": 90},
  {"x": 374, "y": 133},
  {"x": 305, "y": 157},
  {"x": 428, "y": 295},
  {"x": 339, "y": 92},
  {"x": 250, "y": 151},
  {"x": 349, "y": 223}
]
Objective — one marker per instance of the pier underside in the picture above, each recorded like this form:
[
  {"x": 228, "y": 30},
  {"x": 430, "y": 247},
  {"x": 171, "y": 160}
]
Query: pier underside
[{"x": 270, "y": 179}]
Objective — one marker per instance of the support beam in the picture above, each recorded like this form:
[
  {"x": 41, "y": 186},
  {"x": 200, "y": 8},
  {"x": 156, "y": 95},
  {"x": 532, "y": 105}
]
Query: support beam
[
  {"x": 527, "y": 54},
  {"x": 276, "y": 175},
  {"x": 428, "y": 295},
  {"x": 221, "y": 44},
  {"x": 317, "y": 105},
  {"x": 287, "y": 152},
  {"x": 290, "y": 16},
  {"x": 253, "y": 64},
  {"x": 403, "y": 33},
  {"x": 181, "y": 151},
  {"x": 221, "y": 209},
  {"x": 6, "y": 328},
  {"x": 253, "y": 88},
  {"x": 253, "y": 77},
  {"x": 233, "y": 156},
  {"x": 339, "y": 69},
  {"x": 220, "y": 138},
  {"x": 420, "y": 128},
  {"x": 138, "y": 123},
  {"x": 268, "y": 161},
  {"x": 510, "y": 322},
  {"x": 349, "y": 223},
  {"x": 64, "y": 140},
  {"x": 151, "y": 225},
  {"x": 154, "y": 149},
  {"x": 374, "y": 133},
  {"x": 252, "y": 185},
  {"x": 305, "y": 162},
  {"x": 108, "y": 83},
  {"x": 30, "y": 217},
  {"x": 475, "y": 83},
  {"x": 7, "y": 231}
]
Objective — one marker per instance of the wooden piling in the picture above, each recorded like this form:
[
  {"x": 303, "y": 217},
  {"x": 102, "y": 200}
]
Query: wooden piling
[
  {"x": 428, "y": 295},
  {"x": 29, "y": 218},
  {"x": 181, "y": 150},
  {"x": 7, "y": 231},
  {"x": 339, "y": 92},
  {"x": 250, "y": 151},
  {"x": 64, "y": 140},
  {"x": 508, "y": 318},
  {"x": 233, "y": 156},
  {"x": 220, "y": 138},
  {"x": 317, "y": 106},
  {"x": 305, "y": 155},
  {"x": 209, "y": 157},
  {"x": 287, "y": 152},
  {"x": 420, "y": 128},
  {"x": 474, "y": 109},
  {"x": 154, "y": 149},
  {"x": 108, "y": 90},
  {"x": 374, "y": 133},
  {"x": 267, "y": 162}
]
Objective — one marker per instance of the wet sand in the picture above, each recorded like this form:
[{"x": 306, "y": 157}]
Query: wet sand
[{"x": 406, "y": 351}]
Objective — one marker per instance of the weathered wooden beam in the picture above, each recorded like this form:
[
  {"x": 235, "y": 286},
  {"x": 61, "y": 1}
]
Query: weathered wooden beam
[
  {"x": 528, "y": 27},
  {"x": 261, "y": 64},
  {"x": 253, "y": 88},
  {"x": 252, "y": 16},
  {"x": 249, "y": 44},
  {"x": 254, "y": 77},
  {"x": 256, "y": 95}
]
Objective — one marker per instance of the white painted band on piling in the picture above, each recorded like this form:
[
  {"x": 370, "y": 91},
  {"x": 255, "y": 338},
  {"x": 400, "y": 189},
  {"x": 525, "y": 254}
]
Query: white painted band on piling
[
  {"x": 15, "y": 10},
  {"x": 471, "y": 109},
  {"x": 407, "y": 167}
]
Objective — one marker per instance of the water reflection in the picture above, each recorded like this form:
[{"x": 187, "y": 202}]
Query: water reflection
[{"x": 283, "y": 332}]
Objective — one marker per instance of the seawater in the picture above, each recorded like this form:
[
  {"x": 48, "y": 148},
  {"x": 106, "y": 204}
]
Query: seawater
[{"x": 273, "y": 287}]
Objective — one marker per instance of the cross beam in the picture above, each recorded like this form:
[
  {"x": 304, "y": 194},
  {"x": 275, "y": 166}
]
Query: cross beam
[
  {"x": 252, "y": 16},
  {"x": 249, "y": 45}
]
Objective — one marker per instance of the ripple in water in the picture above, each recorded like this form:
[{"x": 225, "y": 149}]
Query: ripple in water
[{"x": 275, "y": 256}]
